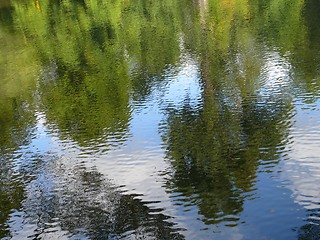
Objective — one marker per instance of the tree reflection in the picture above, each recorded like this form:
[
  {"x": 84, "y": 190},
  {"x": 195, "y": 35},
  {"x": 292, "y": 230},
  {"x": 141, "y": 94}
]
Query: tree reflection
[
  {"x": 17, "y": 119},
  {"x": 217, "y": 148},
  {"x": 215, "y": 153},
  {"x": 85, "y": 87},
  {"x": 311, "y": 230},
  {"x": 80, "y": 202},
  {"x": 16, "y": 128},
  {"x": 93, "y": 55},
  {"x": 97, "y": 56}
]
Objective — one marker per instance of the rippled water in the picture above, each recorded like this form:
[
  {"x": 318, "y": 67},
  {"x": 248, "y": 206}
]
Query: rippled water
[{"x": 159, "y": 119}]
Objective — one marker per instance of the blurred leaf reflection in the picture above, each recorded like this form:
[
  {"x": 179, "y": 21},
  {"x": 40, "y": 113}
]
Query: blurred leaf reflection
[{"x": 87, "y": 65}]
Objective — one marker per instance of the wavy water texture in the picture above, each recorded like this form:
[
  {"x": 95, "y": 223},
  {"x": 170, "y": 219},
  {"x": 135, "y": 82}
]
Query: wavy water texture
[{"x": 159, "y": 119}]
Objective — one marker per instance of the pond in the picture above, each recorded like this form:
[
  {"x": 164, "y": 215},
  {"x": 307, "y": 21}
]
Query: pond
[{"x": 140, "y": 119}]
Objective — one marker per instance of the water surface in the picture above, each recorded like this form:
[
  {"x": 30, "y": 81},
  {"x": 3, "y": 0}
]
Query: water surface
[{"x": 143, "y": 119}]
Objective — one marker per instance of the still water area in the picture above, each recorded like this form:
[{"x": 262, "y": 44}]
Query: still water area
[{"x": 168, "y": 119}]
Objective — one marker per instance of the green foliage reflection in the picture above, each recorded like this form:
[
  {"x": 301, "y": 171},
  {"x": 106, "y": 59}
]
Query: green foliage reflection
[{"x": 96, "y": 56}]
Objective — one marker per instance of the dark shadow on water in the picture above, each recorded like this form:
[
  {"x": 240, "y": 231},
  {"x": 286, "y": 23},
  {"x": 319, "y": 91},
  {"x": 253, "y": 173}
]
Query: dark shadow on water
[{"x": 311, "y": 230}]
